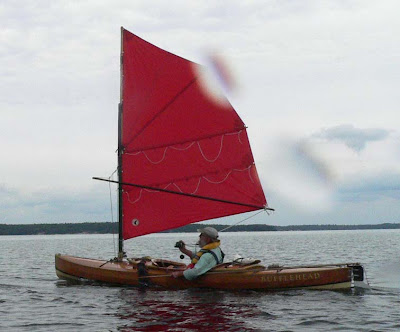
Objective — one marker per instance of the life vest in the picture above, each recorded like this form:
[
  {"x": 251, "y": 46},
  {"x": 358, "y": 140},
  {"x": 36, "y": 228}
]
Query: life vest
[{"x": 207, "y": 249}]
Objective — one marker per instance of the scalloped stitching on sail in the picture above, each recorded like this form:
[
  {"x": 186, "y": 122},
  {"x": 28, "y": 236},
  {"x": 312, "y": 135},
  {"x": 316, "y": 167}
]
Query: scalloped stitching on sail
[
  {"x": 195, "y": 191},
  {"x": 175, "y": 148},
  {"x": 188, "y": 147},
  {"x": 217, "y": 182},
  {"x": 251, "y": 178},
  {"x": 137, "y": 199},
  {"x": 140, "y": 193},
  {"x": 219, "y": 153},
  {"x": 198, "y": 184},
  {"x": 238, "y": 133}
]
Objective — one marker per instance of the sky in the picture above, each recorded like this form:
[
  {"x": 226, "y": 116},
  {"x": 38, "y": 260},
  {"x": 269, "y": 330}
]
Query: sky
[{"x": 317, "y": 84}]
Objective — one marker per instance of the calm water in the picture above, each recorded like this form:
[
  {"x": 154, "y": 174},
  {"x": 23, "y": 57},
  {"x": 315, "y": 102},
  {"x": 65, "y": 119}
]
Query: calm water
[{"x": 33, "y": 299}]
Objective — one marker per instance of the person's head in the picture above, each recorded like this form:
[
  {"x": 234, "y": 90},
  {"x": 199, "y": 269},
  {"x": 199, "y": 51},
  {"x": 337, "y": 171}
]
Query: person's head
[{"x": 207, "y": 235}]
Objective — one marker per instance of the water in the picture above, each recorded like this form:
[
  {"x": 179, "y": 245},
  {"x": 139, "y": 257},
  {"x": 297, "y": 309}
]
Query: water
[{"x": 33, "y": 299}]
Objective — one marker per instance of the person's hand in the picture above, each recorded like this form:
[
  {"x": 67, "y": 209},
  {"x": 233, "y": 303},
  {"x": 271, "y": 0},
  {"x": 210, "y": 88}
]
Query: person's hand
[{"x": 180, "y": 244}]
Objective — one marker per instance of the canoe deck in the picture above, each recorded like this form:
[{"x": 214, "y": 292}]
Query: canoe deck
[{"x": 233, "y": 276}]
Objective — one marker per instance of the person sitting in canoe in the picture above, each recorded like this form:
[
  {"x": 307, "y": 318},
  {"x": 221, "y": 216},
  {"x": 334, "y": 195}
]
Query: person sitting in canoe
[{"x": 206, "y": 258}]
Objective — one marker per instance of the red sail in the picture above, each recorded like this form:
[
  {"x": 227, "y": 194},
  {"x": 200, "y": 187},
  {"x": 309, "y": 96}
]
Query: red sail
[{"x": 176, "y": 137}]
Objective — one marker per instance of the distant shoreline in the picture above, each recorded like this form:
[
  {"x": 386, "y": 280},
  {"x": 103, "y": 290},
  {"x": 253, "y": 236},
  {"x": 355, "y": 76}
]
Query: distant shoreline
[{"x": 109, "y": 228}]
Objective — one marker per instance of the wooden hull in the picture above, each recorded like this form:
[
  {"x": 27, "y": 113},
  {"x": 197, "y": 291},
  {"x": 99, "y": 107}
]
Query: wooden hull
[
  {"x": 226, "y": 276},
  {"x": 77, "y": 268}
]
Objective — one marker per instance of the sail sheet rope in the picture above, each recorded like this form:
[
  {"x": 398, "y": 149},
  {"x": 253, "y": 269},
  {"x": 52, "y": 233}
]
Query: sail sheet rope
[
  {"x": 226, "y": 228},
  {"x": 187, "y": 148}
]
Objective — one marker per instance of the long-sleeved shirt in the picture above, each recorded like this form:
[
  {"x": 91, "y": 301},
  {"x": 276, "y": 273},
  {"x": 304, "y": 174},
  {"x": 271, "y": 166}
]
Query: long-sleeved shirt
[{"x": 205, "y": 263}]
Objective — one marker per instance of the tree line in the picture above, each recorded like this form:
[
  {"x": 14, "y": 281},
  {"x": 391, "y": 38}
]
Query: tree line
[{"x": 109, "y": 228}]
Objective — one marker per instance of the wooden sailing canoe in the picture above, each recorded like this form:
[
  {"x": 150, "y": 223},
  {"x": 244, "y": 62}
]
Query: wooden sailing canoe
[
  {"x": 229, "y": 276},
  {"x": 184, "y": 157}
]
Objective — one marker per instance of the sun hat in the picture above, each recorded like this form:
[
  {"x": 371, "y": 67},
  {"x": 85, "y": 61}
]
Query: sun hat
[{"x": 210, "y": 232}]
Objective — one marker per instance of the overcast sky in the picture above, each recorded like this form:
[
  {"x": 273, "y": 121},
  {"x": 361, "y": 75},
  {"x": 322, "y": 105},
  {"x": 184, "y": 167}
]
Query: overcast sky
[{"x": 317, "y": 85}]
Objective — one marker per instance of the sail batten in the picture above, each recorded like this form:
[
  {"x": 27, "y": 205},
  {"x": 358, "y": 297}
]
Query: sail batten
[
  {"x": 179, "y": 145},
  {"x": 157, "y": 189}
]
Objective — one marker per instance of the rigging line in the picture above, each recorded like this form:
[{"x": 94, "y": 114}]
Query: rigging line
[
  {"x": 185, "y": 194},
  {"x": 163, "y": 109},
  {"x": 223, "y": 230},
  {"x": 112, "y": 210},
  {"x": 112, "y": 174}
]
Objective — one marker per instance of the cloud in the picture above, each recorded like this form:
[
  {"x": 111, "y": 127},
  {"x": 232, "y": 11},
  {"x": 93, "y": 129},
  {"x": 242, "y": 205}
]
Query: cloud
[
  {"x": 355, "y": 138},
  {"x": 294, "y": 172},
  {"x": 54, "y": 206},
  {"x": 371, "y": 187},
  {"x": 302, "y": 65}
]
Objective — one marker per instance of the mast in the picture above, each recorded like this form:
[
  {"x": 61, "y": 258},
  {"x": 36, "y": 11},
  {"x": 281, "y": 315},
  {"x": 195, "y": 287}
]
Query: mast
[{"x": 120, "y": 151}]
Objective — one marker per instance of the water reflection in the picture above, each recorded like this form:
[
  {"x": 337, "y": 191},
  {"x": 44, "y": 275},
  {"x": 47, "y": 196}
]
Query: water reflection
[{"x": 186, "y": 310}]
